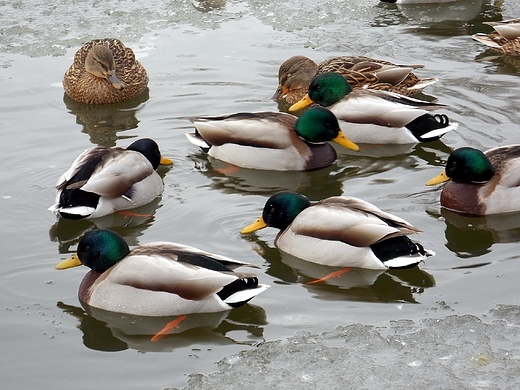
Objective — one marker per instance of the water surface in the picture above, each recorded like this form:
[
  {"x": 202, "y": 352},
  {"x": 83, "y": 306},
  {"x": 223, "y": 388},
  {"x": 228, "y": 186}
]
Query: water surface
[{"x": 215, "y": 57}]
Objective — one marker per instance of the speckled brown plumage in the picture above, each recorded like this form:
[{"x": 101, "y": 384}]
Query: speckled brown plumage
[
  {"x": 84, "y": 87},
  {"x": 363, "y": 72},
  {"x": 505, "y": 39},
  {"x": 296, "y": 74}
]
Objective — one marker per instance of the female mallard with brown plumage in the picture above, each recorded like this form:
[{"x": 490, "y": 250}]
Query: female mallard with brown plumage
[
  {"x": 296, "y": 74},
  {"x": 481, "y": 183},
  {"x": 104, "y": 71},
  {"x": 505, "y": 38}
]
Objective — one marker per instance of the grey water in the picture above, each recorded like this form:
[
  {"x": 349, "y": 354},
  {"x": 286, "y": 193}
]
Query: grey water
[{"x": 451, "y": 323}]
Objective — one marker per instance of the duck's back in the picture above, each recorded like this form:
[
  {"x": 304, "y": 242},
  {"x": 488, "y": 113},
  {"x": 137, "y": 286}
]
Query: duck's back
[
  {"x": 338, "y": 231},
  {"x": 152, "y": 285}
]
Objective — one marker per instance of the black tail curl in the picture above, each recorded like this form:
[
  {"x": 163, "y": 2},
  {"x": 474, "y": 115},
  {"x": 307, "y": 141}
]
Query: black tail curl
[
  {"x": 396, "y": 247},
  {"x": 425, "y": 123}
]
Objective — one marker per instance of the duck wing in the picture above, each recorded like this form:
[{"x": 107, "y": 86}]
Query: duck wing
[
  {"x": 380, "y": 107},
  {"x": 262, "y": 129},
  {"x": 364, "y": 70},
  {"x": 158, "y": 267},
  {"x": 506, "y": 163},
  {"x": 108, "y": 172},
  {"x": 91, "y": 156},
  {"x": 191, "y": 255},
  {"x": 350, "y": 220},
  {"x": 508, "y": 29}
]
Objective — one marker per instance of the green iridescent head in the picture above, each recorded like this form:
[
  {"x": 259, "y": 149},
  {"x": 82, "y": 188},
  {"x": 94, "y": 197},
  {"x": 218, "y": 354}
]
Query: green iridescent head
[
  {"x": 282, "y": 208},
  {"x": 328, "y": 88},
  {"x": 469, "y": 165}
]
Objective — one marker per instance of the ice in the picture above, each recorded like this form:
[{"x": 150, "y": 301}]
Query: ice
[
  {"x": 450, "y": 352},
  {"x": 68, "y": 24},
  {"x": 41, "y": 28}
]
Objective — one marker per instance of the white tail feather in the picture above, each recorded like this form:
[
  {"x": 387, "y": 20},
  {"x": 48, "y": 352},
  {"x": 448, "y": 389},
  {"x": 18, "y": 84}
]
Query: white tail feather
[
  {"x": 440, "y": 132},
  {"x": 408, "y": 261},
  {"x": 246, "y": 295},
  {"x": 198, "y": 141}
]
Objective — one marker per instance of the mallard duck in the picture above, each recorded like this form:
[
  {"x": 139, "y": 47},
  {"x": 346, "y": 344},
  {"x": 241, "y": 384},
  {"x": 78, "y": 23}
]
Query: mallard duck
[
  {"x": 104, "y": 71},
  {"x": 271, "y": 140},
  {"x": 158, "y": 279},
  {"x": 481, "y": 183},
  {"x": 103, "y": 180},
  {"x": 380, "y": 117},
  {"x": 296, "y": 73},
  {"x": 340, "y": 232},
  {"x": 505, "y": 38}
]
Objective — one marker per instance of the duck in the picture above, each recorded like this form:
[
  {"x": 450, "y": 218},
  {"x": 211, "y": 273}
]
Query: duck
[
  {"x": 159, "y": 278},
  {"x": 103, "y": 180},
  {"x": 104, "y": 71},
  {"x": 505, "y": 39},
  {"x": 340, "y": 231},
  {"x": 297, "y": 72},
  {"x": 271, "y": 140},
  {"x": 376, "y": 117},
  {"x": 481, "y": 183}
]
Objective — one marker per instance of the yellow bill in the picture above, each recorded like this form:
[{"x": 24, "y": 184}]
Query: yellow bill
[
  {"x": 301, "y": 104},
  {"x": 257, "y": 225},
  {"x": 344, "y": 141},
  {"x": 441, "y": 178},
  {"x": 165, "y": 161},
  {"x": 71, "y": 262}
]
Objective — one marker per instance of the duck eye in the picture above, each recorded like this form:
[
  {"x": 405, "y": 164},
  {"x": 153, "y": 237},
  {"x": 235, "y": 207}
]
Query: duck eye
[
  {"x": 103, "y": 65},
  {"x": 87, "y": 248}
]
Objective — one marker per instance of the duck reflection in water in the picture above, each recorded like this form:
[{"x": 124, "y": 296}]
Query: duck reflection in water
[
  {"x": 131, "y": 225},
  {"x": 472, "y": 236},
  {"x": 505, "y": 64},
  {"x": 326, "y": 182},
  {"x": 441, "y": 17},
  {"x": 228, "y": 178},
  {"x": 344, "y": 283},
  {"x": 102, "y": 122},
  {"x": 108, "y": 331}
]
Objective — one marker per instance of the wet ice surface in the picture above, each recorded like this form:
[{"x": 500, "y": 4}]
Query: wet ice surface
[
  {"x": 31, "y": 28},
  {"x": 451, "y": 352}
]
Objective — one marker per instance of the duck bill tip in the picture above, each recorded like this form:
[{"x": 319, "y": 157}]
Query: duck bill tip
[
  {"x": 305, "y": 102},
  {"x": 71, "y": 262},
  {"x": 441, "y": 178},
  {"x": 257, "y": 225},
  {"x": 345, "y": 142}
]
